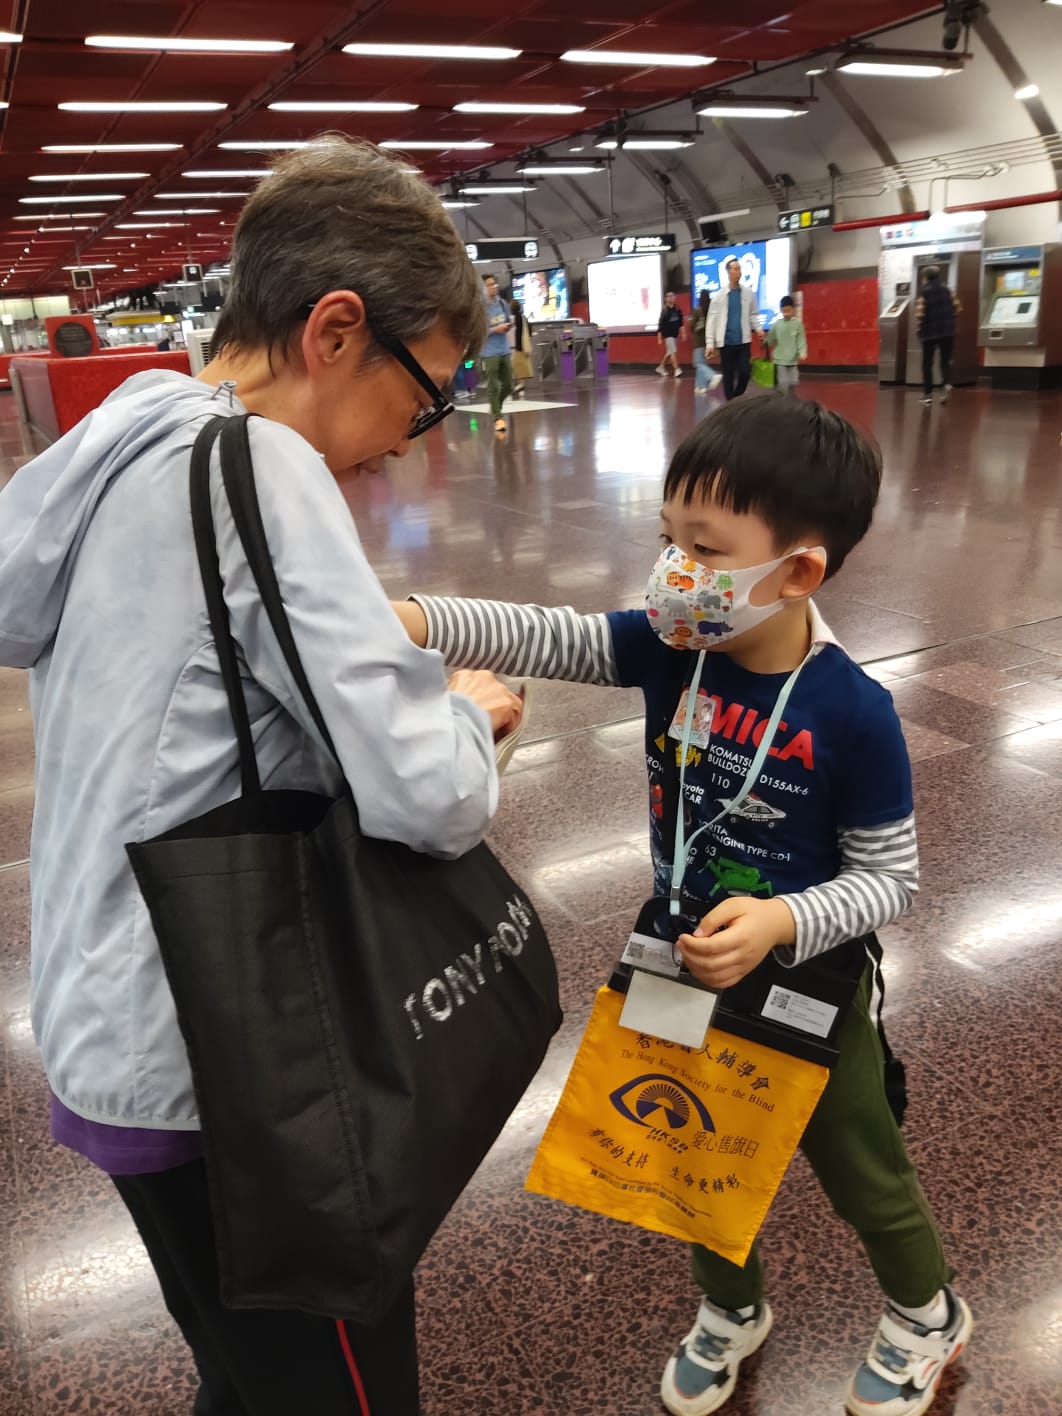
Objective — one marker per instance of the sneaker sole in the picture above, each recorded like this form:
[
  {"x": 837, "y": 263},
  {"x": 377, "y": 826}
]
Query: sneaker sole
[
  {"x": 855, "y": 1407},
  {"x": 680, "y": 1405}
]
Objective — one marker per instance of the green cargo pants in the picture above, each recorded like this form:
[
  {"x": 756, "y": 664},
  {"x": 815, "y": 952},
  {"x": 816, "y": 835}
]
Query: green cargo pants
[
  {"x": 855, "y": 1148},
  {"x": 499, "y": 369}
]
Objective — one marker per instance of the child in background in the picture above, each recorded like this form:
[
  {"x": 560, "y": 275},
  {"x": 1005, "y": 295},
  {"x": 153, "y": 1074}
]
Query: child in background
[
  {"x": 747, "y": 538},
  {"x": 787, "y": 344}
]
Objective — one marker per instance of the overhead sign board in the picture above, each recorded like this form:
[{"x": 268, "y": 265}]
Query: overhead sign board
[
  {"x": 1014, "y": 255},
  {"x": 640, "y": 245},
  {"x": 81, "y": 278},
  {"x": 192, "y": 273},
  {"x": 805, "y": 218},
  {"x": 519, "y": 248}
]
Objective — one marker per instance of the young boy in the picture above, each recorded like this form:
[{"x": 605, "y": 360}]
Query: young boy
[
  {"x": 826, "y": 839},
  {"x": 787, "y": 342}
]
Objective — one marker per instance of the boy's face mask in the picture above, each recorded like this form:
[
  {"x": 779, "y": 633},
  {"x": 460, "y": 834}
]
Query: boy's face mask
[{"x": 692, "y": 606}]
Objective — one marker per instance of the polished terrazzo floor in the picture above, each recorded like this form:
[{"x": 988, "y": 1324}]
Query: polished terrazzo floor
[{"x": 956, "y": 601}]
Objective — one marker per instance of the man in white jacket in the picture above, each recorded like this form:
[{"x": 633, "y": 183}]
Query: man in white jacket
[{"x": 731, "y": 319}]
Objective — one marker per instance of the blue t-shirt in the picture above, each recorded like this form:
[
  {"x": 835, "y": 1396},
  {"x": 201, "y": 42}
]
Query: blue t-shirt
[
  {"x": 839, "y": 761},
  {"x": 734, "y": 332},
  {"x": 498, "y": 313}
]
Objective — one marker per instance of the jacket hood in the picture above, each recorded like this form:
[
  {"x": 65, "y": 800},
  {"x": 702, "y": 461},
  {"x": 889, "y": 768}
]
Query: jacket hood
[{"x": 46, "y": 507}]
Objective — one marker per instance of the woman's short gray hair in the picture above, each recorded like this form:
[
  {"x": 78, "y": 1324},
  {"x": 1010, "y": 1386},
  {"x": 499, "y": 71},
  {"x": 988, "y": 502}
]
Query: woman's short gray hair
[{"x": 343, "y": 215}]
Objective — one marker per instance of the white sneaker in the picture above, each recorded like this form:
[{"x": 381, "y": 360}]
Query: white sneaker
[
  {"x": 701, "y": 1374},
  {"x": 714, "y": 382},
  {"x": 662, "y": 371},
  {"x": 700, "y": 392},
  {"x": 927, "y": 403},
  {"x": 906, "y": 1361},
  {"x": 946, "y": 394},
  {"x": 678, "y": 373}
]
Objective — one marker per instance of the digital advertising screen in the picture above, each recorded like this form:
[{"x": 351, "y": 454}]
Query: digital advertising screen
[
  {"x": 765, "y": 265},
  {"x": 543, "y": 293},
  {"x": 626, "y": 293}
]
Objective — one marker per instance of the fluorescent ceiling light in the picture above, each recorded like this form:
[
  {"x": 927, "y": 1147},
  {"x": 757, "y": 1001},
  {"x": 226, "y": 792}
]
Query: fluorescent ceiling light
[
  {"x": 60, "y": 216},
  {"x": 181, "y": 211},
  {"x": 93, "y": 197},
  {"x": 636, "y": 57},
  {"x": 226, "y": 173},
  {"x": 499, "y": 189},
  {"x": 1029, "y": 90},
  {"x": 146, "y": 225},
  {"x": 4, "y": 103},
  {"x": 519, "y": 108},
  {"x": 100, "y": 265},
  {"x": 885, "y": 64},
  {"x": 723, "y": 215},
  {"x": 9, "y": 37},
  {"x": 193, "y": 106},
  {"x": 188, "y": 46},
  {"x": 644, "y": 144},
  {"x": 268, "y": 144},
  {"x": 342, "y": 106},
  {"x": 112, "y": 147},
  {"x": 460, "y": 145},
  {"x": 183, "y": 196},
  {"x": 753, "y": 109},
  {"x": 64, "y": 228},
  {"x": 559, "y": 169},
  {"x": 814, "y": 73},
  {"x": 431, "y": 51},
  {"x": 457, "y": 205},
  {"x": 90, "y": 177}
]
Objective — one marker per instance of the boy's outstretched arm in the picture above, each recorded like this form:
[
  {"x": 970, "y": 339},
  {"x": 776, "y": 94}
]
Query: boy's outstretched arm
[{"x": 524, "y": 641}]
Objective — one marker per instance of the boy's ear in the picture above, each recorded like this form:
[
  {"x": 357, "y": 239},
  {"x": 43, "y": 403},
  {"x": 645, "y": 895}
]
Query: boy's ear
[{"x": 806, "y": 572}]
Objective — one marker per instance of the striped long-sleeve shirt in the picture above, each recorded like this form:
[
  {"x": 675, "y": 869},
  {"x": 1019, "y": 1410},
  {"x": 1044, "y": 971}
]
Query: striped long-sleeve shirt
[{"x": 876, "y": 868}]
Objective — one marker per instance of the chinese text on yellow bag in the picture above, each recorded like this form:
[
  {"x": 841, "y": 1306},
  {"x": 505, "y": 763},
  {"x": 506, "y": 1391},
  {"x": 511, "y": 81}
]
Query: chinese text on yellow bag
[{"x": 689, "y": 1143}]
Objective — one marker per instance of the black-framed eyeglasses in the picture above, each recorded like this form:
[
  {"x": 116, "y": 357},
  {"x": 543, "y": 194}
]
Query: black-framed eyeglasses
[{"x": 440, "y": 406}]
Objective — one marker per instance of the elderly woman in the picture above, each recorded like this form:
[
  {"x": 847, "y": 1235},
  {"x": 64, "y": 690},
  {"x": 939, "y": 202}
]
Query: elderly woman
[{"x": 352, "y": 302}]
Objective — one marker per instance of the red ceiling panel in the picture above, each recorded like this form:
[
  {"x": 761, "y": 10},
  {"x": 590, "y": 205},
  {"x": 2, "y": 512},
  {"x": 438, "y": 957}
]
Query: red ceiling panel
[{"x": 53, "y": 65}]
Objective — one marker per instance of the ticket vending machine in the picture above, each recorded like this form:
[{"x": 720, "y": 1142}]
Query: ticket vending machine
[
  {"x": 1021, "y": 316},
  {"x": 892, "y": 336},
  {"x": 960, "y": 271}
]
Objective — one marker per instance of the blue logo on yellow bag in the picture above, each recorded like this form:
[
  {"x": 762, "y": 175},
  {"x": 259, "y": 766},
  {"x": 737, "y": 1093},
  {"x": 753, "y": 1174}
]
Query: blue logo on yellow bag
[{"x": 658, "y": 1100}]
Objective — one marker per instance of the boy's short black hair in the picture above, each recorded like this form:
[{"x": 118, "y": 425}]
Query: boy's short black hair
[
  {"x": 804, "y": 470},
  {"x": 786, "y": 300}
]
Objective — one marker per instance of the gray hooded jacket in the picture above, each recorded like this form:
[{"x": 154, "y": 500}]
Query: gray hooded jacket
[{"x": 100, "y": 598}]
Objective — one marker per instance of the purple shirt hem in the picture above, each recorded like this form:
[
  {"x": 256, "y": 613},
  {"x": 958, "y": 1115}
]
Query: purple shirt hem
[{"x": 124, "y": 1150}]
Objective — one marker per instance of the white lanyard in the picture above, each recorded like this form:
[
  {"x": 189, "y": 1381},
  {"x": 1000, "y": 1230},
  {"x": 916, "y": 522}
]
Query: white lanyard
[{"x": 682, "y": 846}]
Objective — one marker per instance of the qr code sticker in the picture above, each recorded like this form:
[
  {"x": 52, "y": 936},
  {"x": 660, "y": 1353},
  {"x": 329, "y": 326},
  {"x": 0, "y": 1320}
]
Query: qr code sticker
[
  {"x": 781, "y": 1000},
  {"x": 635, "y": 949}
]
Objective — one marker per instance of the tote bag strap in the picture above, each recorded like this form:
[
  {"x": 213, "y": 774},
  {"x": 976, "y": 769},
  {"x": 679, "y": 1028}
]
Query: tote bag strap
[
  {"x": 213, "y": 588},
  {"x": 237, "y": 472}
]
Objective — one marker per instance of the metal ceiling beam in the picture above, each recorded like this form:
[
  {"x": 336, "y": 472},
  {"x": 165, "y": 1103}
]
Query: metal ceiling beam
[
  {"x": 682, "y": 204},
  {"x": 1015, "y": 75},
  {"x": 870, "y": 131},
  {"x": 742, "y": 147}
]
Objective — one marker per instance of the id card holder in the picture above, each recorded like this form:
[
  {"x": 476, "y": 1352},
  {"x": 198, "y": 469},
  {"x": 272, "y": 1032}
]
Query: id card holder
[{"x": 663, "y": 999}]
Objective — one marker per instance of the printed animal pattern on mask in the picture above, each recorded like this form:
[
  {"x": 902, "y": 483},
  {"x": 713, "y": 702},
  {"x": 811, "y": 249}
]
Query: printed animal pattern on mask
[{"x": 694, "y": 601}]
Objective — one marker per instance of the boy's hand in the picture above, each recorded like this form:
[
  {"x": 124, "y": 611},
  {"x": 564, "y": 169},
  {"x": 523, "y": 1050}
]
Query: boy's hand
[
  {"x": 734, "y": 937},
  {"x": 504, "y": 707}
]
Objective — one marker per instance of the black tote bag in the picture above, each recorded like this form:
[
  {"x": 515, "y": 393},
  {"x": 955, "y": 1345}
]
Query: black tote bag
[{"x": 360, "y": 1018}]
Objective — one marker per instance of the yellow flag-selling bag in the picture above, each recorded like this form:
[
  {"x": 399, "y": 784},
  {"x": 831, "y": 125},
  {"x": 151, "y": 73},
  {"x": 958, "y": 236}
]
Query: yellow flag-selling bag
[{"x": 688, "y": 1143}]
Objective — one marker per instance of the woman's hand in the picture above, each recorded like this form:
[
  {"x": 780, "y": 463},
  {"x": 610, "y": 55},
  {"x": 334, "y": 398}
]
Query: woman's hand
[{"x": 489, "y": 693}]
